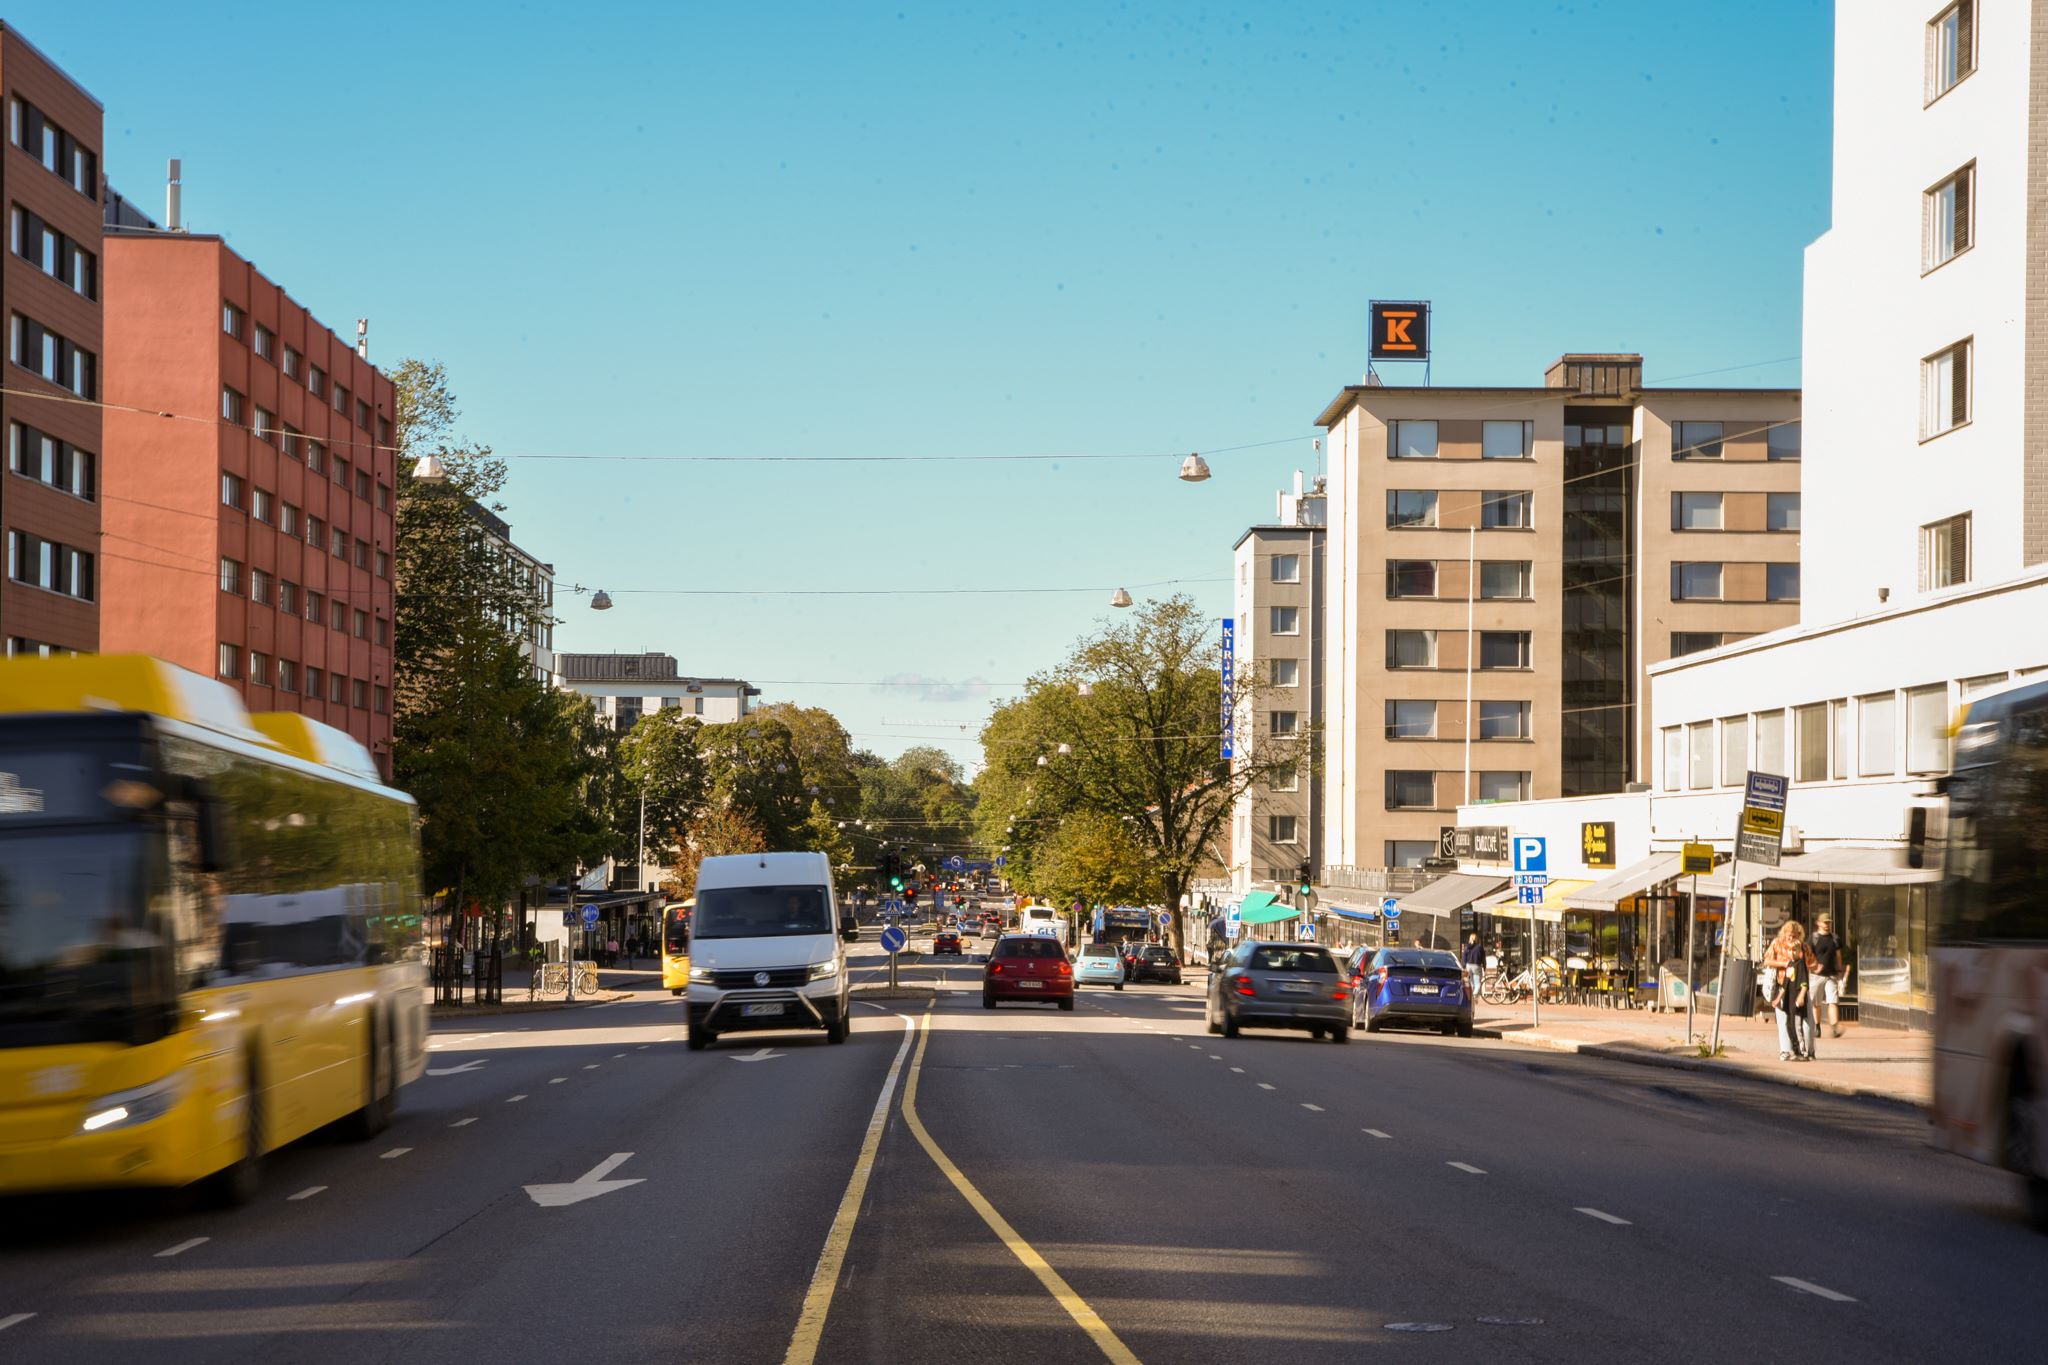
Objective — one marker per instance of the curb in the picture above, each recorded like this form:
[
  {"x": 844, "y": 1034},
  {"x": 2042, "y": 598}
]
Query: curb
[
  {"x": 1622, "y": 1052},
  {"x": 521, "y": 1007}
]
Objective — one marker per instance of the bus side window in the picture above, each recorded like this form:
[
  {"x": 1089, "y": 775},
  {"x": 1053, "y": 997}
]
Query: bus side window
[
  {"x": 190, "y": 901},
  {"x": 2012, "y": 834}
]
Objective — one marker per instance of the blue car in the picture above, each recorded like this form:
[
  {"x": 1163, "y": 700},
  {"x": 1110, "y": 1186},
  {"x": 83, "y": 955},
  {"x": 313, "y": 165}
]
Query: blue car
[
  {"x": 1099, "y": 965},
  {"x": 1424, "y": 986}
]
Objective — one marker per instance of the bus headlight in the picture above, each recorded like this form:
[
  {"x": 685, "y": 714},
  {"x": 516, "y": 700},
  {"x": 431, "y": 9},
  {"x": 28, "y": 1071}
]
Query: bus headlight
[
  {"x": 821, "y": 970},
  {"x": 702, "y": 976},
  {"x": 128, "y": 1108}
]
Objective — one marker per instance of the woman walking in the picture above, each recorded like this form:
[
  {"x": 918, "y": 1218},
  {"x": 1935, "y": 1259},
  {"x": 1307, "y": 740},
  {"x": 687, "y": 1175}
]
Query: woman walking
[{"x": 1792, "y": 966}]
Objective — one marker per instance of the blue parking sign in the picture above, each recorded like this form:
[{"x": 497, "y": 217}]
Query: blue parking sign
[{"x": 1530, "y": 854}]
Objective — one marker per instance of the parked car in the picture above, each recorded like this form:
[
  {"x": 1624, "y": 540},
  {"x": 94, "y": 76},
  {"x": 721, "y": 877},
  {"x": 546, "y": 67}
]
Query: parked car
[
  {"x": 946, "y": 941},
  {"x": 1280, "y": 985},
  {"x": 1425, "y": 986},
  {"x": 1155, "y": 962},
  {"x": 1028, "y": 967},
  {"x": 1099, "y": 964}
]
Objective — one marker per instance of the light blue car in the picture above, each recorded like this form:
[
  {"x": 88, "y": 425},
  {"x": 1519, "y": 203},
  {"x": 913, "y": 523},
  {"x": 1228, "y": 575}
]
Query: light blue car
[{"x": 1099, "y": 965}]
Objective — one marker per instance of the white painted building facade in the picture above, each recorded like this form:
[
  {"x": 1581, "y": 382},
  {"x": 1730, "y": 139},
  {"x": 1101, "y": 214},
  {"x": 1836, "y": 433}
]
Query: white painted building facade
[{"x": 625, "y": 687}]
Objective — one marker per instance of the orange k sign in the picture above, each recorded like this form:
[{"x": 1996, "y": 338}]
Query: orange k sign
[{"x": 1397, "y": 337}]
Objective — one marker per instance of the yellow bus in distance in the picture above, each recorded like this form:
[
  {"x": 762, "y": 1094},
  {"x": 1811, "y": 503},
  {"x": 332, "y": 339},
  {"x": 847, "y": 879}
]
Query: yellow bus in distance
[
  {"x": 675, "y": 946},
  {"x": 209, "y": 930}
]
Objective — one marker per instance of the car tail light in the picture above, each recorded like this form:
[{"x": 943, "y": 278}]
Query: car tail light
[
  {"x": 1244, "y": 986},
  {"x": 1343, "y": 992},
  {"x": 995, "y": 969},
  {"x": 1066, "y": 969}
]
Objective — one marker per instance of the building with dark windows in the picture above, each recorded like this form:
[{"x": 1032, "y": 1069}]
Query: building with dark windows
[
  {"x": 1506, "y": 563},
  {"x": 625, "y": 687},
  {"x": 50, "y": 293},
  {"x": 251, "y": 537}
]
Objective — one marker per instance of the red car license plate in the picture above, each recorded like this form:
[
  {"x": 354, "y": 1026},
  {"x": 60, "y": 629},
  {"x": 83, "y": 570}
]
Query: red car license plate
[{"x": 1030, "y": 985}]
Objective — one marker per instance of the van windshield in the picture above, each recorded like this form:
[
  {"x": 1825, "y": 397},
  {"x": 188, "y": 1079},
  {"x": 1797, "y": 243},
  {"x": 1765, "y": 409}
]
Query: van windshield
[{"x": 761, "y": 912}]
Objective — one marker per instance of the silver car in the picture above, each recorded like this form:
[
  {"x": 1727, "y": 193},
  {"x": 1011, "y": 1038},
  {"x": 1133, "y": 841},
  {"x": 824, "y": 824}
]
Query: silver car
[{"x": 1280, "y": 985}]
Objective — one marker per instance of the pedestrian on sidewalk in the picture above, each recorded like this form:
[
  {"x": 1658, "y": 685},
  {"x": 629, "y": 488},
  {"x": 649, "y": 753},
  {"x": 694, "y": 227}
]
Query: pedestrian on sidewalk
[
  {"x": 1827, "y": 981},
  {"x": 1792, "y": 964},
  {"x": 1475, "y": 963}
]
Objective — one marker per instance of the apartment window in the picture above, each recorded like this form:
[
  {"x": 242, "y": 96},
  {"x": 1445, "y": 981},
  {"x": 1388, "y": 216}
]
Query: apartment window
[
  {"x": 49, "y": 565},
  {"x": 380, "y": 700},
  {"x": 266, "y": 426},
  {"x": 1411, "y": 507},
  {"x": 1945, "y": 553},
  {"x": 1411, "y": 440},
  {"x": 266, "y": 342},
  {"x": 51, "y": 252},
  {"x": 232, "y": 406},
  {"x": 1810, "y": 736},
  {"x": 383, "y": 631},
  {"x": 63, "y": 466},
  {"x": 292, "y": 442},
  {"x": 1411, "y": 719},
  {"x": 1734, "y": 750},
  {"x": 1784, "y": 441},
  {"x": 294, "y": 364},
  {"x": 359, "y": 622},
  {"x": 1411, "y": 578},
  {"x": 362, "y": 421},
  {"x": 316, "y": 456},
  {"x": 1504, "y": 720},
  {"x": 1927, "y": 722},
  {"x": 1285, "y": 620},
  {"x": 287, "y": 676},
  {"x": 341, "y": 403},
  {"x": 1503, "y": 786},
  {"x": 1696, "y": 440},
  {"x": 1945, "y": 390},
  {"x": 1699, "y": 748},
  {"x": 43, "y": 352},
  {"x": 1411, "y": 649},
  {"x": 314, "y": 682},
  {"x": 383, "y": 497},
  {"x": 1695, "y": 582},
  {"x": 288, "y": 597},
  {"x": 1877, "y": 755},
  {"x": 1770, "y": 741},
  {"x": 383, "y": 431},
  {"x": 1287, "y": 781},
  {"x": 1951, "y": 48},
  {"x": 337, "y": 542},
  {"x": 1283, "y": 722},
  {"x": 1410, "y": 789},
  {"x": 60, "y": 153},
  {"x": 337, "y": 688},
  {"x": 316, "y": 382},
  {"x": 362, "y": 485},
  {"x": 1782, "y": 512},
  {"x": 232, "y": 490},
  {"x": 1945, "y": 218},
  {"x": 1674, "y": 756},
  {"x": 316, "y": 607},
  {"x": 1286, "y": 568},
  {"x": 1781, "y": 582},
  {"x": 316, "y": 532},
  {"x": 1504, "y": 579},
  {"x": 1684, "y": 642},
  {"x": 1504, "y": 649},
  {"x": 231, "y": 576},
  {"x": 1285, "y": 672},
  {"x": 341, "y": 471},
  {"x": 228, "y": 660},
  {"x": 1844, "y": 719},
  {"x": 1507, "y": 440},
  {"x": 259, "y": 669},
  {"x": 1695, "y": 511},
  {"x": 259, "y": 586},
  {"x": 337, "y": 614},
  {"x": 1280, "y": 829},
  {"x": 383, "y": 564},
  {"x": 288, "y": 520},
  {"x": 362, "y": 559},
  {"x": 1505, "y": 511},
  {"x": 234, "y": 321},
  {"x": 262, "y": 505},
  {"x": 1409, "y": 852}
]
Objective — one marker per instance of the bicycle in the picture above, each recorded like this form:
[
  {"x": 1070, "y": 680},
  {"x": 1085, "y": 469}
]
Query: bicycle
[
  {"x": 1498, "y": 988},
  {"x": 549, "y": 978}
]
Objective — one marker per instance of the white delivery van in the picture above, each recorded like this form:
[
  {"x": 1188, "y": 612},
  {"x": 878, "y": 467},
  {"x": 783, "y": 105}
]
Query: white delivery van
[{"x": 765, "y": 947}]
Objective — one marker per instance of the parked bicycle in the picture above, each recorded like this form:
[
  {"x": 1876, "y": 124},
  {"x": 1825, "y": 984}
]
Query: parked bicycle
[
  {"x": 552, "y": 978},
  {"x": 1498, "y": 987}
]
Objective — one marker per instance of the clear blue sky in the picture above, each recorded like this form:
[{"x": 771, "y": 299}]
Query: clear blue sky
[{"x": 914, "y": 229}]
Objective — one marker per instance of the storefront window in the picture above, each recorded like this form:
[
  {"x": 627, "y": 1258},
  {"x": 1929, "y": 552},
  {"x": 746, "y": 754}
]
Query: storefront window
[
  {"x": 1879, "y": 756},
  {"x": 1734, "y": 750},
  {"x": 1701, "y": 740},
  {"x": 1927, "y": 730},
  {"x": 1770, "y": 742},
  {"x": 1813, "y": 742}
]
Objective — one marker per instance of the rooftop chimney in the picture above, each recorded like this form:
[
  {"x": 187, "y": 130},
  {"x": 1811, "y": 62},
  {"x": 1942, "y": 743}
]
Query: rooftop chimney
[
  {"x": 1613, "y": 374},
  {"x": 174, "y": 197}
]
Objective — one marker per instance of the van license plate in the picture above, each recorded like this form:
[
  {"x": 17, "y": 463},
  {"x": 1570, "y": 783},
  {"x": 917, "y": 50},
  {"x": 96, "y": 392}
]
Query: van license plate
[{"x": 760, "y": 1011}]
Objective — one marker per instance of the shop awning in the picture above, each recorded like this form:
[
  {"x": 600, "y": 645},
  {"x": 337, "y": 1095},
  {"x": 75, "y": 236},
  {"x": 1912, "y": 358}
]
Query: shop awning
[
  {"x": 1550, "y": 911},
  {"x": 1850, "y": 866},
  {"x": 1369, "y": 914},
  {"x": 1632, "y": 880},
  {"x": 1263, "y": 907},
  {"x": 1448, "y": 895}
]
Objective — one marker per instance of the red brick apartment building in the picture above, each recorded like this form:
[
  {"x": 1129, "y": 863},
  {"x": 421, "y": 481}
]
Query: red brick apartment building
[
  {"x": 50, "y": 296},
  {"x": 248, "y": 487}
]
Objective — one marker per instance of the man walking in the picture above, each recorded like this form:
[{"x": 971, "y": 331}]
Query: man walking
[
  {"x": 1475, "y": 963},
  {"x": 1827, "y": 981}
]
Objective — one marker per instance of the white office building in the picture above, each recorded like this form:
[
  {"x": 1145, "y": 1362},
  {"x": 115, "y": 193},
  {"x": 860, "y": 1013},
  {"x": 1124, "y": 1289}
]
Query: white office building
[{"x": 625, "y": 687}]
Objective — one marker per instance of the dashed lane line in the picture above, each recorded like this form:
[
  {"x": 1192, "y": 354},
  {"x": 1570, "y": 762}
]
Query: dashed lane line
[
  {"x": 1313, "y": 1108},
  {"x": 617, "y": 1055},
  {"x": 1238, "y": 1069},
  {"x": 1465, "y": 1167},
  {"x": 1817, "y": 1290},
  {"x": 592, "y": 1066},
  {"x": 1374, "y": 1132},
  {"x": 463, "y": 1123},
  {"x": 14, "y": 1320},
  {"x": 306, "y": 1193},
  {"x": 557, "y": 1080},
  {"x": 515, "y": 1099},
  {"x": 1605, "y": 1217},
  {"x": 181, "y": 1248},
  {"x": 1264, "y": 1086},
  {"x": 394, "y": 1153}
]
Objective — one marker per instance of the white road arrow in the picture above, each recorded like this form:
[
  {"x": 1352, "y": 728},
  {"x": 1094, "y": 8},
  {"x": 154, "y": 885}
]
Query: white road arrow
[
  {"x": 763, "y": 1055},
  {"x": 456, "y": 1070},
  {"x": 589, "y": 1185}
]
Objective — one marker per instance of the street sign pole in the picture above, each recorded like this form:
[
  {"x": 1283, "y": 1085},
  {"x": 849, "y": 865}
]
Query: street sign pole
[
  {"x": 1692, "y": 920},
  {"x": 1727, "y": 944},
  {"x": 570, "y": 924}
]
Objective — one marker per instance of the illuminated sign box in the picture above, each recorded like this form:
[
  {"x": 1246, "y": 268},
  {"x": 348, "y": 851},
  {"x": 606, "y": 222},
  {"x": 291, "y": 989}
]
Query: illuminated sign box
[{"x": 1400, "y": 331}]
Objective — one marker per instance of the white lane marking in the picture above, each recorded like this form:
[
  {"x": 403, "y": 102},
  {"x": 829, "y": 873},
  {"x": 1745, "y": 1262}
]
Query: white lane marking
[
  {"x": 1264, "y": 1086},
  {"x": 13, "y": 1319},
  {"x": 1809, "y": 1287},
  {"x": 462, "y": 1123},
  {"x": 306, "y": 1193},
  {"x": 591, "y": 1066},
  {"x": 1375, "y": 1132},
  {"x": 1214, "y": 1058},
  {"x": 1605, "y": 1217},
  {"x": 471, "y": 1065},
  {"x": 394, "y": 1153},
  {"x": 617, "y": 1055},
  {"x": 1313, "y": 1108},
  {"x": 557, "y": 1080},
  {"x": 181, "y": 1248},
  {"x": 643, "y": 1046},
  {"x": 1194, "y": 1047},
  {"x": 586, "y": 1186},
  {"x": 1238, "y": 1069},
  {"x": 515, "y": 1099},
  {"x": 1467, "y": 1168}
]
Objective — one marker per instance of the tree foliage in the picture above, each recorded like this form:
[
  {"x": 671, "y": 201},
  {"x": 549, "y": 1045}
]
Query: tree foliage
[
  {"x": 661, "y": 759},
  {"x": 717, "y": 831}
]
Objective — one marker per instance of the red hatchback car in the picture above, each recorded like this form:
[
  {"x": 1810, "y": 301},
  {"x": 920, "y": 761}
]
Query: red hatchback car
[
  {"x": 1028, "y": 967},
  {"x": 946, "y": 941}
]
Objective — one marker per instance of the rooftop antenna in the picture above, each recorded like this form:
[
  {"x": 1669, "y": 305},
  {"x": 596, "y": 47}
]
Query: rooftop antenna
[
  {"x": 363, "y": 337},
  {"x": 174, "y": 197}
]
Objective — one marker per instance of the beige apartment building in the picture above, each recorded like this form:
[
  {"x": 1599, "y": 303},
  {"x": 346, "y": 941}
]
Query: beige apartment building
[{"x": 1504, "y": 565}]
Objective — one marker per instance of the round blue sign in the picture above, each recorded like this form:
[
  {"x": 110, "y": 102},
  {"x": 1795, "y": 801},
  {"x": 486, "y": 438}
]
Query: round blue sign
[
  {"x": 893, "y": 939},
  {"x": 590, "y": 917}
]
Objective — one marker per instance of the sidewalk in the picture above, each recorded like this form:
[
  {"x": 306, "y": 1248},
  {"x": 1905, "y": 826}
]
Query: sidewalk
[
  {"x": 612, "y": 986},
  {"x": 1869, "y": 1063}
]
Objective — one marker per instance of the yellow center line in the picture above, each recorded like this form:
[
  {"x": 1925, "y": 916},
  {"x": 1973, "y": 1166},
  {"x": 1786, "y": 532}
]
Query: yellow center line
[
  {"x": 1077, "y": 1307},
  {"x": 810, "y": 1322}
]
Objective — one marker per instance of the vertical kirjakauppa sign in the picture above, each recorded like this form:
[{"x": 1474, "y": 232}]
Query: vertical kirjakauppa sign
[{"x": 1229, "y": 670}]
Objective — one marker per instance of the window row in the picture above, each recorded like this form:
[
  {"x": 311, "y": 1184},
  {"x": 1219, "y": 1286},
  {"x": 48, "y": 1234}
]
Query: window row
[
  {"x": 260, "y": 586},
  {"x": 261, "y": 505},
  {"x": 1489, "y": 510},
  {"x": 1417, "y": 440},
  {"x": 256, "y": 668},
  {"x": 1735, "y": 511},
  {"x": 1423, "y": 789},
  {"x": 265, "y": 427},
  {"x": 36, "y": 455},
  {"x": 48, "y": 565},
  {"x": 1708, "y": 440},
  {"x": 1684, "y": 642},
  {"x": 1438, "y": 719},
  {"x": 1500, "y": 580},
  {"x": 235, "y": 322},
  {"x": 41, "y": 351},
  {"x": 61, "y": 154},
  {"x": 1705, "y": 581},
  {"x": 1497, "y": 649},
  {"x": 20, "y": 647},
  {"x": 51, "y": 252}
]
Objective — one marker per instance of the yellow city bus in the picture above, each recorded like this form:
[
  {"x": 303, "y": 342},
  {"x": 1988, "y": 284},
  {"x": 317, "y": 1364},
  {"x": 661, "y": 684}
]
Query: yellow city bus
[
  {"x": 209, "y": 930},
  {"x": 675, "y": 946}
]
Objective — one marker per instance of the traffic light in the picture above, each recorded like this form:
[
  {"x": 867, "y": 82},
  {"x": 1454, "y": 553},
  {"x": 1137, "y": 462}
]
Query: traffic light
[
  {"x": 910, "y": 895},
  {"x": 1304, "y": 874}
]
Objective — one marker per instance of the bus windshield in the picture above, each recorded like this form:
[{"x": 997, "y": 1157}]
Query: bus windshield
[
  {"x": 676, "y": 932},
  {"x": 79, "y": 956}
]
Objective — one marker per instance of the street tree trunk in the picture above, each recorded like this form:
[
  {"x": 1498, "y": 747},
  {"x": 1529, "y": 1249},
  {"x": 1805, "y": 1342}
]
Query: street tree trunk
[{"x": 1172, "y": 883}]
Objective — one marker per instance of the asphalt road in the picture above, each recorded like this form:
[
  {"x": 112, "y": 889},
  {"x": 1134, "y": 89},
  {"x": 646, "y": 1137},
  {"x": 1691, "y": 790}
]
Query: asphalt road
[{"x": 1117, "y": 1184}]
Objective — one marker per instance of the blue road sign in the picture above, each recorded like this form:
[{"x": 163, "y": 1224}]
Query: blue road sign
[
  {"x": 1764, "y": 791},
  {"x": 893, "y": 939},
  {"x": 590, "y": 917},
  {"x": 1308, "y": 932},
  {"x": 1530, "y": 855},
  {"x": 1529, "y": 895},
  {"x": 956, "y": 863},
  {"x": 1390, "y": 906}
]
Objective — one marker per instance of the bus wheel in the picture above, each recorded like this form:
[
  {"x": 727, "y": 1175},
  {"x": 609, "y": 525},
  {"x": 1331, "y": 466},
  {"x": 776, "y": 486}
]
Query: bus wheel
[
  {"x": 2023, "y": 1141},
  {"x": 235, "y": 1185},
  {"x": 676, "y": 991},
  {"x": 380, "y": 1095}
]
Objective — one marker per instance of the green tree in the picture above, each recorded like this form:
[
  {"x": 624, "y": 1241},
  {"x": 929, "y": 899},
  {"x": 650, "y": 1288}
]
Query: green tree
[
  {"x": 660, "y": 758},
  {"x": 716, "y": 832},
  {"x": 1093, "y": 858},
  {"x": 754, "y": 770}
]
